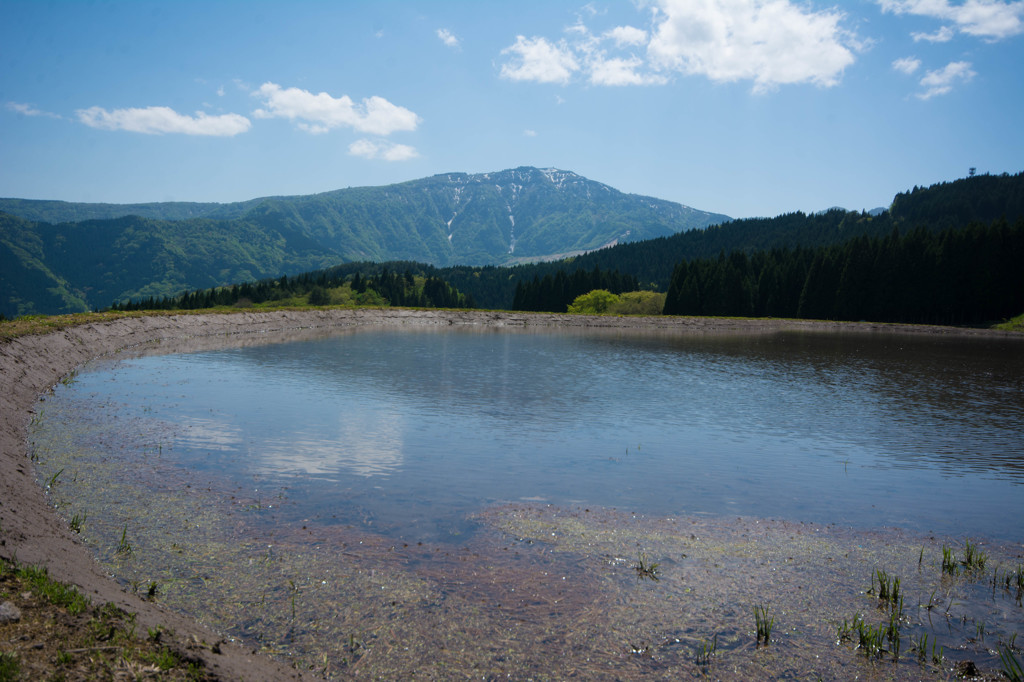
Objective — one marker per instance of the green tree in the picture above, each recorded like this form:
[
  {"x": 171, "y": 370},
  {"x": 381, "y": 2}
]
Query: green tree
[{"x": 596, "y": 302}]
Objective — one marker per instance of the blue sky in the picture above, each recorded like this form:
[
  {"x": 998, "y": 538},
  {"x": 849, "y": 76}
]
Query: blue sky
[{"x": 742, "y": 107}]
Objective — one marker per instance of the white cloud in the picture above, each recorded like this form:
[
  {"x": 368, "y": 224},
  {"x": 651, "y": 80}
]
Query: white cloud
[
  {"x": 942, "y": 81},
  {"x": 617, "y": 71},
  {"x": 382, "y": 149},
  {"x": 943, "y": 35},
  {"x": 627, "y": 35},
  {"x": 29, "y": 110},
  {"x": 320, "y": 113},
  {"x": 907, "y": 65},
  {"x": 447, "y": 37},
  {"x": 529, "y": 133},
  {"x": 771, "y": 42},
  {"x": 160, "y": 120},
  {"x": 989, "y": 19},
  {"x": 220, "y": 91},
  {"x": 536, "y": 59}
]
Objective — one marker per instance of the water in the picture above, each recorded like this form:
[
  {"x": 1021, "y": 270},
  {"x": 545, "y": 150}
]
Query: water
[{"x": 409, "y": 433}]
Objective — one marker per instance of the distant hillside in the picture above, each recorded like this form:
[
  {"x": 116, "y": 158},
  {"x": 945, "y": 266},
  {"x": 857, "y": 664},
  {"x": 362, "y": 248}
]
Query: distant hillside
[
  {"x": 48, "y": 211},
  {"x": 64, "y": 257}
]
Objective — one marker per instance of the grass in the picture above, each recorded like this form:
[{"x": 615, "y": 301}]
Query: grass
[
  {"x": 28, "y": 325},
  {"x": 1015, "y": 324},
  {"x": 124, "y": 547},
  {"x": 888, "y": 590},
  {"x": 56, "y": 593},
  {"x": 1011, "y": 666},
  {"x": 974, "y": 559},
  {"x": 764, "y": 624},
  {"x": 52, "y": 481},
  {"x": 62, "y": 635},
  {"x": 645, "y": 569},
  {"x": 10, "y": 666},
  {"x": 707, "y": 651},
  {"x": 77, "y": 522}
]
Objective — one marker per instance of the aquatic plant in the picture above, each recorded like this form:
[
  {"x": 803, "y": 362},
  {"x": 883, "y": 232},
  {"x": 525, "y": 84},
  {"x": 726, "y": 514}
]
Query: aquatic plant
[
  {"x": 764, "y": 624},
  {"x": 294, "y": 591},
  {"x": 870, "y": 639},
  {"x": 949, "y": 562},
  {"x": 888, "y": 590},
  {"x": 921, "y": 647},
  {"x": 77, "y": 522},
  {"x": 645, "y": 569},
  {"x": 974, "y": 557},
  {"x": 707, "y": 650},
  {"x": 1011, "y": 666},
  {"x": 124, "y": 547},
  {"x": 847, "y": 628},
  {"x": 52, "y": 481}
]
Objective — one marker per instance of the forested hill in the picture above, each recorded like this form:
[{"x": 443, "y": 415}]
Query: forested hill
[
  {"x": 67, "y": 264},
  {"x": 978, "y": 199}
]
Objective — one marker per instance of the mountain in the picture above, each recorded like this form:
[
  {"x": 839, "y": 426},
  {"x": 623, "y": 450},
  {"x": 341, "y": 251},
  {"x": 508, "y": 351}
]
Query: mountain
[{"x": 64, "y": 257}]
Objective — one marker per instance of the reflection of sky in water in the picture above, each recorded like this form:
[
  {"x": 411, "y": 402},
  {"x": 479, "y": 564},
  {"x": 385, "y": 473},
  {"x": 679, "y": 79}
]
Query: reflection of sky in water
[
  {"x": 409, "y": 426},
  {"x": 320, "y": 439},
  {"x": 366, "y": 444},
  {"x": 208, "y": 434}
]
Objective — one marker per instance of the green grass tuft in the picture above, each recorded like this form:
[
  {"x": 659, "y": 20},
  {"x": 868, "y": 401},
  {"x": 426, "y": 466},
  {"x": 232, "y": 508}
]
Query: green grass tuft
[{"x": 54, "y": 592}]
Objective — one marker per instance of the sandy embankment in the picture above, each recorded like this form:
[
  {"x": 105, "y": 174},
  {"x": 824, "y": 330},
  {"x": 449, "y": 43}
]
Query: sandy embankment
[{"x": 31, "y": 531}]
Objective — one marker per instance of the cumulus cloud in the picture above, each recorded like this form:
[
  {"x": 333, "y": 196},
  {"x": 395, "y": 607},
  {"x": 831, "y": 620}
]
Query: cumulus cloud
[
  {"x": 382, "y": 149},
  {"x": 537, "y": 59},
  {"x": 160, "y": 120},
  {"x": 627, "y": 35},
  {"x": 320, "y": 113},
  {"x": 617, "y": 71},
  {"x": 907, "y": 65},
  {"x": 771, "y": 42},
  {"x": 29, "y": 110},
  {"x": 941, "y": 81},
  {"x": 991, "y": 20},
  {"x": 447, "y": 37},
  {"x": 943, "y": 35}
]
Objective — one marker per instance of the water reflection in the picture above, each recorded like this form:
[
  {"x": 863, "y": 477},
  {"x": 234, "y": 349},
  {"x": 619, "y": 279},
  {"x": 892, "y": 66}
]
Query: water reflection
[
  {"x": 826, "y": 428},
  {"x": 368, "y": 444}
]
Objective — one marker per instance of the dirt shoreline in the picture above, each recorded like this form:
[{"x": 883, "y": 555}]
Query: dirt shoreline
[{"x": 32, "y": 533}]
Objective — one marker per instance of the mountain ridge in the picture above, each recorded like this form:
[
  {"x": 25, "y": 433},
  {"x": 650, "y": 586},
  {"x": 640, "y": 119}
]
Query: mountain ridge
[{"x": 504, "y": 217}]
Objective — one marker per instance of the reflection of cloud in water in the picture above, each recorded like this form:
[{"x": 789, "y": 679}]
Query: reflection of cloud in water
[
  {"x": 367, "y": 444},
  {"x": 209, "y": 434}
]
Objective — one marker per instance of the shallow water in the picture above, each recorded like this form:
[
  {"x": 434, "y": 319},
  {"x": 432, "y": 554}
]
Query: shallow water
[
  {"x": 412, "y": 431},
  {"x": 393, "y": 503}
]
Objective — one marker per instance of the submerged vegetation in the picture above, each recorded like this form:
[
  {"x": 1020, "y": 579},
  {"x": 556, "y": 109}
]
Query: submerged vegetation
[{"x": 542, "y": 591}]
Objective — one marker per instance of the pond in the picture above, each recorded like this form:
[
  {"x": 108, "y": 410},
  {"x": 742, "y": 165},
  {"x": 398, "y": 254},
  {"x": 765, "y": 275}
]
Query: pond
[{"x": 463, "y": 441}]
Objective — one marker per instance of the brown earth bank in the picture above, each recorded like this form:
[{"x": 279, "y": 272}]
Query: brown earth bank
[{"x": 31, "y": 532}]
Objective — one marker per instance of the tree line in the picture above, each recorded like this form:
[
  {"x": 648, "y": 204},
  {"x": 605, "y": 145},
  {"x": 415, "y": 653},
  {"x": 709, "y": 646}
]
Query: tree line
[
  {"x": 554, "y": 293},
  {"x": 358, "y": 284},
  {"x": 954, "y": 276}
]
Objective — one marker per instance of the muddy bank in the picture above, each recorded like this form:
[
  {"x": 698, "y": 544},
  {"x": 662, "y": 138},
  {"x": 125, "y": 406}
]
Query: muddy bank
[{"x": 32, "y": 533}]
